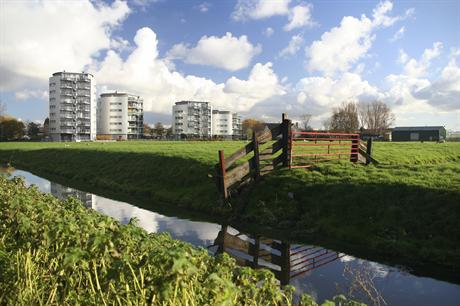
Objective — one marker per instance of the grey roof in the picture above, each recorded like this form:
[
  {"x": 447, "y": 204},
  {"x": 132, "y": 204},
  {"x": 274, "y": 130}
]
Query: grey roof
[{"x": 418, "y": 128}]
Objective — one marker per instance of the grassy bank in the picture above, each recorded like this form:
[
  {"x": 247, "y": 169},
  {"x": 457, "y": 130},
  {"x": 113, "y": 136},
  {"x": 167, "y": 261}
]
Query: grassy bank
[
  {"x": 58, "y": 252},
  {"x": 406, "y": 208}
]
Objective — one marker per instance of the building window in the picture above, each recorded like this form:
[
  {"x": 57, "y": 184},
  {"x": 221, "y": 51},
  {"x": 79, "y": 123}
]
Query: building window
[{"x": 115, "y": 110}]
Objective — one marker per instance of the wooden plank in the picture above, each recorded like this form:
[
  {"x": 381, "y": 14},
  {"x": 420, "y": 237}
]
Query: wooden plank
[
  {"x": 368, "y": 157},
  {"x": 277, "y": 146},
  {"x": 223, "y": 184},
  {"x": 235, "y": 175},
  {"x": 229, "y": 161},
  {"x": 279, "y": 159},
  {"x": 266, "y": 154},
  {"x": 264, "y": 137},
  {"x": 256, "y": 158},
  {"x": 236, "y": 243}
]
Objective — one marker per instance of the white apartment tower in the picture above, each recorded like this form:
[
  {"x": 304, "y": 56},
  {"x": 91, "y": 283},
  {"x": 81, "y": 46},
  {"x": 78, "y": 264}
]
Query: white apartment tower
[
  {"x": 120, "y": 116},
  {"x": 192, "y": 118},
  {"x": 72, "y": 106}
]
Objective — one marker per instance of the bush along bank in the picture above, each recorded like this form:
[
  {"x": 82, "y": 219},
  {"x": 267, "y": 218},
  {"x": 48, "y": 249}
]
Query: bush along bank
[{"x": 58, "y": 252}]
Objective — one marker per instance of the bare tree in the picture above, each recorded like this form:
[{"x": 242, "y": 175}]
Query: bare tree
[
  {"x": 345, "y": 118},
  {"x": 2, "y": 108},
  {"x": 305, "y": 119},
  {"x": 375, "y": 116}
]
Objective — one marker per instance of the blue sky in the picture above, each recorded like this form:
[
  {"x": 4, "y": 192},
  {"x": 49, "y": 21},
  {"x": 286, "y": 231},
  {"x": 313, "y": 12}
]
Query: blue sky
[{"x": 260, "y": 58}]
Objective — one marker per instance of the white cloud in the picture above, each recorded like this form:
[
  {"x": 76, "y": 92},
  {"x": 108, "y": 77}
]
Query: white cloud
[
  {"x": 262, "y": 84},
  {"x": 227, "y": 52},
  {"x": 293, "y": 47},
  {"x": 444, "y": 93},
  {"x": 204, "y": 7},
  {"x": 268, "y": 32},
  {"x": 341, "y": 47},
  {"x": 300, "y": 16},
  {"x": 27, "y": 94},
  {"x": 398, "y": 34},
  {"x": 259, "y": 9},
  {"x": 414, "y": 68},
  {"x": 327, "y": 92},
  {"x": 49, "y": 36},
  {"x": 144, "y": 73}
]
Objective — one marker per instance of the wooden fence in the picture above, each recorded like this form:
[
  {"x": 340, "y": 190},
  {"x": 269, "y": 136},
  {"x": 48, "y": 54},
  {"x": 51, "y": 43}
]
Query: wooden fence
[{"x": 248, "y": 164}]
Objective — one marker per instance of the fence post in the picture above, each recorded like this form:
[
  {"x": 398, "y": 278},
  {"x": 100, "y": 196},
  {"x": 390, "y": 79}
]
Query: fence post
[
  {"x": 256, "y": 156},
  {"x": 286, "y": 132},
  {"x": 369, "y": 150},
  {"x": 223, "y": 185},
  {"x": 354, "y": 148},
  {"x": 285, "y": 274}
]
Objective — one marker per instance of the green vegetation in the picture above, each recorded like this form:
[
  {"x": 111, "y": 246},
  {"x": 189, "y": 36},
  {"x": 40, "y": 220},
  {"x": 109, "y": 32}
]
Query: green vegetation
[
  {"x": 59, "y": 253},
  {"x": 405, "y": 209}
]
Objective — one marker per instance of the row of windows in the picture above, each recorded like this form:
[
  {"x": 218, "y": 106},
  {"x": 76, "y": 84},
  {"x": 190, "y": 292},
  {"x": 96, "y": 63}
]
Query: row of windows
[
  {"x": 178, "y": 123},
  {"x": 179, "y": 111},
  {"x": 179, "y": 117},
  {"x": 115, "y": 123},
  {"x": 115, "y": 103},
  {"x": 115, "y": 110},
  {"x": 115, "y": 130},
  {"x": 115, "y": 116},
  {"x": 225, "y": 120},
  {"x": 222, "y": 125},
  {"x": 52, "y": 106}
]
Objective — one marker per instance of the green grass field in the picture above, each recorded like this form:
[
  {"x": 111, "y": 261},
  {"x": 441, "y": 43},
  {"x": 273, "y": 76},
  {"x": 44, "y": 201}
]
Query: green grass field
[{"x": 406, "y": 208}]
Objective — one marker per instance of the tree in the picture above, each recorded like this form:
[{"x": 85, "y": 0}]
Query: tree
[
  {"x": 375, "y": 116},
  {"x": 10, "y": 128},
  {"x": 159, "y": 129},
  {"x": 250, "y": 124},
  {"x": 345, "y": 118},
  {"x": 33, "y": 129},
  {"x": 2, "y": 109},
  {"x": 46, "y": 127},
  {"x": 305, "y": 122},
  {"x": 147, "y": 130}
]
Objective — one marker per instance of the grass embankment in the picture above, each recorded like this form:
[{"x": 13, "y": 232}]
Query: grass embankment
[
  {"x": 59, "y": 253},
  {"x": 169, "y": 172},
  {"x": 406, "y": 208}
]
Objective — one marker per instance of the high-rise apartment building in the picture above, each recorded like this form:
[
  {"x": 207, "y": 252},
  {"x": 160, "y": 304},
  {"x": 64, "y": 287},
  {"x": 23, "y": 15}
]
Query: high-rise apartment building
[
  {"x": 120, "y": 116},
  {"x": 72, "y": 106},
  {"x": 192, "y": 118}
]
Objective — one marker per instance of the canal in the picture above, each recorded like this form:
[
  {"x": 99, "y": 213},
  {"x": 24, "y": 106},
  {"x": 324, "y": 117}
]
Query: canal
[{"x": 314, "y": 270}]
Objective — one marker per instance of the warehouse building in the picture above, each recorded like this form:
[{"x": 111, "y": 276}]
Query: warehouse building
[{"x": 418, "y": 133}]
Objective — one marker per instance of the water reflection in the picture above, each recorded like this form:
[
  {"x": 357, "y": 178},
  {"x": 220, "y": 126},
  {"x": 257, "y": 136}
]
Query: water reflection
[
  {"x": 311, "y": 269},
  {"x": 285, "y": 260}
]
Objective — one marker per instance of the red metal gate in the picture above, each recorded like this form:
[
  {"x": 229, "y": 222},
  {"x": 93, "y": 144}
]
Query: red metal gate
[{"x": 309, "y": 148}]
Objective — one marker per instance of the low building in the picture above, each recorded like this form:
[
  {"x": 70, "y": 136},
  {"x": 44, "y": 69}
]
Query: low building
[
  {"x": 418, "y": 133},
  {"x": 120, "y": 116}
]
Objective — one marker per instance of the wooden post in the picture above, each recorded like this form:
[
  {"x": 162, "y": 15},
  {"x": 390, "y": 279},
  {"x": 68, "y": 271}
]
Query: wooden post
[
  {"x": 286, "y": 132},
  {"x": 254, "y": 252},
  {"x": 369, "y": 150},
  {"x": 285, "y": 274},
  {"x": 256, "y": 163},
  {"x": 223, "y": 185},
  {"x": 354, "y": 149}
]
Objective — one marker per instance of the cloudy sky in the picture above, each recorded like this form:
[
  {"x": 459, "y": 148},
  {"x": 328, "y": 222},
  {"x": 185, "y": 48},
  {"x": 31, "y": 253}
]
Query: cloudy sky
[{"x": 258, "y": 57}]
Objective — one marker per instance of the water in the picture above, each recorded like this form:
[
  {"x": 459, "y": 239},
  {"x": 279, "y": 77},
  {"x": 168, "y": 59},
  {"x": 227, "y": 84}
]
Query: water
[{"x": 326, "y": 278}]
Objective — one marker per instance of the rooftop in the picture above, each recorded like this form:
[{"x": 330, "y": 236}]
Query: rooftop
[{"x": 417, "y": 128}]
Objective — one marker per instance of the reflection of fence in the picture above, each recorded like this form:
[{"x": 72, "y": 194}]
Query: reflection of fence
[
  {"x": 290, "y": 149},
  {"x": 284, "y": 260}
]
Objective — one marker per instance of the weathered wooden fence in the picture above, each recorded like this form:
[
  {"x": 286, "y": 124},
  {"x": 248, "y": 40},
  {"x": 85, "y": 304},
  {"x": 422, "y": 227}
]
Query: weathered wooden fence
[{"x": 249, "y": 163}]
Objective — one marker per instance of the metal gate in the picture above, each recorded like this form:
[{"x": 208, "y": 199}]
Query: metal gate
[{"x": 309, "y": 148}]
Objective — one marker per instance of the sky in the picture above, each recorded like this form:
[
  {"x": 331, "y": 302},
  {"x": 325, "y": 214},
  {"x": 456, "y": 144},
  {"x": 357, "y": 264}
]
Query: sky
[{"x": 256, "y": 57}]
